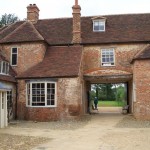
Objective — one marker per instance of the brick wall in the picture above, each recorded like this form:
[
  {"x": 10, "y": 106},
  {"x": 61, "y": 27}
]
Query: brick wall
[
  {"x": 123, "y": 56},
  {"x": 141, "y": 77},
  {"x": 68, "y": 102},
  {"x": 29, "y": 54},
  {"x": 33, "y": 13},
  {"x": 76, "y": 24}
]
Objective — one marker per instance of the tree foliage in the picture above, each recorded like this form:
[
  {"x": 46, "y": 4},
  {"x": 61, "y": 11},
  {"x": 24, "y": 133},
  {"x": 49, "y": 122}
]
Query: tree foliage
[
  {"x": 8, "y": 19},
  {"x": 104, "y": 91},
  {"x": 109, "y": 92},
  {"x": 121, "y": 95}
]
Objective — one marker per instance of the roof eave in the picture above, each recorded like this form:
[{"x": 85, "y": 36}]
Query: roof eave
[{"x": 36, "y": 77}]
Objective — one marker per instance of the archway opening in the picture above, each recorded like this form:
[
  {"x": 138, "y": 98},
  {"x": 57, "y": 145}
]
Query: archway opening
[{"x": 109, "y": 97}]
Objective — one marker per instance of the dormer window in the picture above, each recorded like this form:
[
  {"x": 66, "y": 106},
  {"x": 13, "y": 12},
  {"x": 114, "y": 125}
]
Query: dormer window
[
  {"x": 4, "y": 67},
  {"x": 99, "y": 24}
]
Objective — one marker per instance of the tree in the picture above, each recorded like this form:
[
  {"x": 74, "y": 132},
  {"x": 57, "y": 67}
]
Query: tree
[
  {"x": 104, "y": 91},
  {"x": 121, "y": 94},
  {"x": 8, "y": 19}
]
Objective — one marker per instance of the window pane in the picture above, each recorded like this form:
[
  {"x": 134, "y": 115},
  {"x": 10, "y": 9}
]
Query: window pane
[
  {"x": 7, "y": 68},
  {"x": 14, "y": 50},
  {"x": 99, "y": 25},
  {"x": 43, "y": 99},
  {"x": 38, "y": 99},
  {"x": 52, "y": 96},
  {"x": 4, "y": 67},
  {"x": 96, "y": 28},
  {"x": 34, "y": 98},
  {"x": 103, "y": 60},
  {"x": 38, "y": 85},
  {"x": 52, "y": 102},
  {"x": 33, "y": 85},
  {"x": 48, "y": 102},
  {"x": 42, "y": 85},
  {"x": 48, "y": 96},
  {"x": 53, "y": 85},
  {"x": 0, "y": 67},
  {"x": 48, "y": 85},
  {"x": 14, "y": 59},
  {"x": 107, "y": 56},
  {"x": 101, "y": 28}
]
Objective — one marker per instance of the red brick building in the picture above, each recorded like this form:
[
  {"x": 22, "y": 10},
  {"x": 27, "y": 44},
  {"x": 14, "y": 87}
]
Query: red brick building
[{"x": 49, "y": 64}]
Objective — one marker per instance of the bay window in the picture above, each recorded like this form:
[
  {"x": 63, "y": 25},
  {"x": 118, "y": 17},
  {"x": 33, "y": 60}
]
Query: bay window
[{"x": 41, "y": 94}]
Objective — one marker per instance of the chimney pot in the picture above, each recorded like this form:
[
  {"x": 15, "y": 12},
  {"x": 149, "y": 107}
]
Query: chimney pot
[{"x": 32, "y": 13}]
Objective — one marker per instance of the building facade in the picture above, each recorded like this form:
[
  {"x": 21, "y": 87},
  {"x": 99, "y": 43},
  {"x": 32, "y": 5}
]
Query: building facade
[{"x": 47, "y": 66}]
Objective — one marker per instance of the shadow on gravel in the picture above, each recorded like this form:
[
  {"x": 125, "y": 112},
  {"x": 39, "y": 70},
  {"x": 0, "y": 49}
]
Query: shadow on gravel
[
  {"x": 130, "y": 122},
  {"x": 71, "y": 124}
]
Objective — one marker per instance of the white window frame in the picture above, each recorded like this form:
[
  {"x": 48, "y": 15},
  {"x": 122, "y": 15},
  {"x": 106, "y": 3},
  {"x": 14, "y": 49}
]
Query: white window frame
[
  {"x": 2, "y": 63},
  {"x": 100, "y": 21},
  {"x": 105, "y": 64},
  {"x": 12, "y": 54},
  {"x": 45, "y": 91}
]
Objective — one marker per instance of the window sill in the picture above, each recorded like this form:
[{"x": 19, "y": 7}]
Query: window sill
[
  {"x": 41, "y": 106},
  {"x": 14, "y": 65},
  {"x": 98, "y": 30},
  {"x": 108, "y": 65},
  {"x": 4, "y": 74}
]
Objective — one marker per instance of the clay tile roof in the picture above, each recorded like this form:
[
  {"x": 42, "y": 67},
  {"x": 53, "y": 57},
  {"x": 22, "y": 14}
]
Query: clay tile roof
[
  {"x": 58, "y": 62},
  {"x": 144, "y": 54},
  {"x": 2, "y": 28},
  {"x": 25, "y": 32},
  {"x": 7, "y": 78},
  {"x": 56, "y": 31},
  {"x": 119, "y": 29},
  {"x": 5, "y": 31}
]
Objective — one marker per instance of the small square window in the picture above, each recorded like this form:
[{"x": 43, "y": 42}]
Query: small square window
[
  {"x": 99, "y": 25},
  {"x": 108, "y": 57}
]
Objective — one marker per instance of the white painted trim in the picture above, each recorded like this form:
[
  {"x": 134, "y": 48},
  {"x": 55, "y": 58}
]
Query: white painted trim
[
  {"x": 1, "y": 71},
  {"x": 11, "y": 57},
  {"x": 134, "y": 92},
  {"x": 4, "y": 119},
  {"x": 45, "y": 84}
]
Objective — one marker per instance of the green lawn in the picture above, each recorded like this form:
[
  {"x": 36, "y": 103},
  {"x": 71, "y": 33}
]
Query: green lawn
[{"x": 110, "y": 104}]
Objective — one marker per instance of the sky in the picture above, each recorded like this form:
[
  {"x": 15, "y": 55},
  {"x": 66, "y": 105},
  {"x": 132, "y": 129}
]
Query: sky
[{"x": 63, "y": 8}]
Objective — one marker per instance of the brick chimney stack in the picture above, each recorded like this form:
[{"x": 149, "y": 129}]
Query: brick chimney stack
[
  {"x": 76, "y": 23},
  {"x": 32, "y": 13}
]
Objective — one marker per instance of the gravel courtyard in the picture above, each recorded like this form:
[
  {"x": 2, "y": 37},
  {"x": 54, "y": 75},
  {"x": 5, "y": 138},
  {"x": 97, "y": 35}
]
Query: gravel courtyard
[{"x": 99, "y": 131}]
